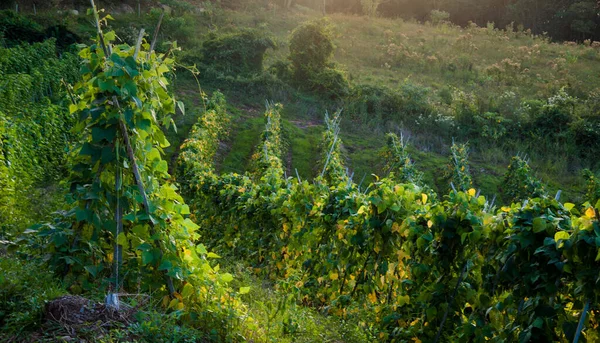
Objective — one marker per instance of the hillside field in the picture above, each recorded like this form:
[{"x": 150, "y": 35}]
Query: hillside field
[{"x": 262, "y": 171}]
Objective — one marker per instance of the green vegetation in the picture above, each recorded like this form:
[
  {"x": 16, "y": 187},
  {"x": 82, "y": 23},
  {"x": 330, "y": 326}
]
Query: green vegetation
[{"x": 251, "y": 171}]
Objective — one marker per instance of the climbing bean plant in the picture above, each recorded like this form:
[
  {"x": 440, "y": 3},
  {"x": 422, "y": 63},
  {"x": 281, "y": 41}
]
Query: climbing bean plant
[
  {"x": 128, "y": 228},
  {"x": 410, "y": 266}
]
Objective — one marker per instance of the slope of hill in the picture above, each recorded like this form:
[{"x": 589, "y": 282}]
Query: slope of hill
[
  {"x": 434, "y": 83},
  {"x": 342, "y": 231}
]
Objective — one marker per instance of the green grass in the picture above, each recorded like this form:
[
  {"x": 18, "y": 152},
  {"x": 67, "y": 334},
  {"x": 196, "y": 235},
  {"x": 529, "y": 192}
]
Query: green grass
[
  {"x": 243, "y": 138},
  {"x": 25, "y": 288}
]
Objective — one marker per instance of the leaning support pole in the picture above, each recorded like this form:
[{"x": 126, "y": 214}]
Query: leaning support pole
[{"x": 581, "y": 321}]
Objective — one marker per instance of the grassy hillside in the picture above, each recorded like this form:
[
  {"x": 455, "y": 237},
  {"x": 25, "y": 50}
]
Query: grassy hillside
[
  {"x": 497, "y": 68},
  {"x": 289, "y": 243}
]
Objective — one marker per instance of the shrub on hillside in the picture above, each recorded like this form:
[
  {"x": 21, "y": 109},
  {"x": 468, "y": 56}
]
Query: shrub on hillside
[
  {"x": 17, "y": 29},
  {"x": 311, "y": 48},
  {"x": 375, "y": 105},
  {"x": 438, "y": 17},
  {"x": 551, "y": 121},
  {"x": 236, "y": 53},
  {"x": 586, "y": 131}
]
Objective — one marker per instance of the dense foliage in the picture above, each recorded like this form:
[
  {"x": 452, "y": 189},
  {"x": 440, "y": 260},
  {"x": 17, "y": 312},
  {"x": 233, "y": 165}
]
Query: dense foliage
[
  {"x": 311, "y": 49},
  {"x": 391, "y": 260},
  {"x": 239, "y": 53},
  {"x": 128, "y": 228},
  {"x": 34, "y": 126},
  {"x": 410, "y": 266}
]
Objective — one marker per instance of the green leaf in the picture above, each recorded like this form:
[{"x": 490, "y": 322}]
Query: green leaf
[
  {"x": 82, "y": 214},
  {"x": 212, "y": 255},
  {"x": 147, "y": 257},
  {"x": 201, "y": 249},
  {"x": 122, "y": 240},
  {"x": 162, "y": 167},
  {"x": 539, "y": 225},
  {"x": 137, "y": 101},
  {"x": 165, "y": 265},
  {"x": 181, "y": 107},
  {"x": 561, "y": 235},
  {"x": 190, "y": 225},
  {"x": 94, "y": 270},
  {"x": 226, "y": 277},
  {"x": 185, "y": 209},
  {"x": 244, "y": 290},
  {"x": 431, "y": 313},
  {"x": 569, "y": 206},
  {"x": 109, "y": 37},
  {"x": 187, "y": 290}
]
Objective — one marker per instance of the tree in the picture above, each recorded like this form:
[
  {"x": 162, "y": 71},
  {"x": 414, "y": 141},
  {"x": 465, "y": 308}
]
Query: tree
[{"x": 369, "y": 7}]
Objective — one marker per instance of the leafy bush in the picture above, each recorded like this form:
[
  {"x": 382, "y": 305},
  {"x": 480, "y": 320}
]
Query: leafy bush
[
  {"x": 438, "y": 17},
  {"x": 586, "y": 131},
  {"x": 17, "y": 29},
  {"x": 552, "y": 120},
  {"x": 35, "y": 131},
  {"x": 377, "y": 106},
  {"x": 311, "y": 48},
  {"x": 369, "y": 7},
  {"x": 329, "y": 83},
  {"x": 237, "y": 53}
]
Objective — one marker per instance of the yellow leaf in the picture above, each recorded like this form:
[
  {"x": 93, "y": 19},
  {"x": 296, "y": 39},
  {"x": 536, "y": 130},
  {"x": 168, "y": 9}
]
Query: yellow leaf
[
  {"x": 333, "y": 276},
  {"x": 372, "y": 297},
  {"x": 424, "y": 198},
  {"x": 429, "y": 224},
  {"x": 395, "y": 228},
  {"x": 561, "y": 235},
  {"x": 165, "y": 301},
  {"x": 472, "y": 192},
  {"x": 590, "y": 213}
]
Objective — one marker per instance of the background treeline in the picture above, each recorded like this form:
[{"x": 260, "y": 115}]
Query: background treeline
[{"x": 560, "y": 19}]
